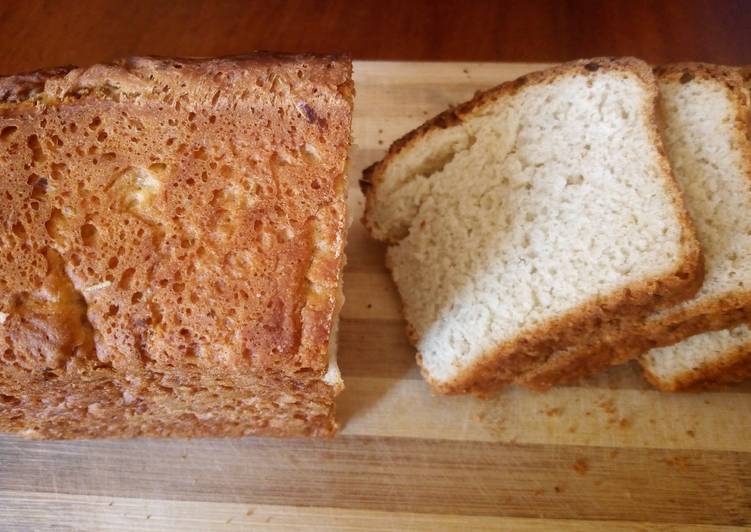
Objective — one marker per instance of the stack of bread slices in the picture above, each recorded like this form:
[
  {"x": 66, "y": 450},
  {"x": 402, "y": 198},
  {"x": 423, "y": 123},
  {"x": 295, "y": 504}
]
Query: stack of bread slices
[{"x": 577, "y": 217}]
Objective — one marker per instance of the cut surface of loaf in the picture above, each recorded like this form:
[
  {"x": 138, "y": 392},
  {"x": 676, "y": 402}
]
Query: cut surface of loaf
[
  {"x": 523, "y": 219},
  {"x": 706, "y": 118},
  {"x": 172, "y": 246}
]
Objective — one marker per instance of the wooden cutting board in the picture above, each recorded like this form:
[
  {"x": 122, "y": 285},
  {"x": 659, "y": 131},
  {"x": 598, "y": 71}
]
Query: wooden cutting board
[{"x": 607, "y": 454}]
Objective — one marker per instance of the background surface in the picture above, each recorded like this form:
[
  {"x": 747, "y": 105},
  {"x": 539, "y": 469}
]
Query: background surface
[{"x": 38, "y": 33}]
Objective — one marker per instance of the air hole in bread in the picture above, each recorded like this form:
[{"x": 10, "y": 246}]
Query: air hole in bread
[
  {"x": 7, "y": 133},
  {"x": 88, "y": 234},
  {"x": 37, "y": 154},
  {"x": 19, "y": 230},
  {"x": 686, "y": 77},
  {"x": 200, "y": 153}
]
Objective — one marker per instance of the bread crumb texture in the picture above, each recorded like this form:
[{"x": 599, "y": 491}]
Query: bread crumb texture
[
  {"x": 706, "y": 136},
  {"x": 705, "y": 113},
  {"x": 172, "y": 245},
  {"x": 525, "y": 218},
  {"x": 707, "y": 123}
]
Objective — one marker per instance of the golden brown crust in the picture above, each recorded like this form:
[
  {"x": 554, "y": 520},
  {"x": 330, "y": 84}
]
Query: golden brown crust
[
  {"x": 532, "y": 348},
  {"x": 198, "y": 208},
  {"x": 103, "y": 407},
  {"x": 633, "y": 337},
  {"x": 639, "y": 336}
]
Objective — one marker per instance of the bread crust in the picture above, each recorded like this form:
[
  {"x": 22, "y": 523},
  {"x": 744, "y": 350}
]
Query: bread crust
[
  {"x": 533, "y": 347},
  {"x": 638, "y": 336},
  {"x": 260, "y": 278}
]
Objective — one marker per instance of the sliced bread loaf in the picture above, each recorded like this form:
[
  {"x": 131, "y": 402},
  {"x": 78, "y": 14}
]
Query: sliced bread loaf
[
  {"x": 705, "y": 110},
  {"x": 527, "y": 217}
]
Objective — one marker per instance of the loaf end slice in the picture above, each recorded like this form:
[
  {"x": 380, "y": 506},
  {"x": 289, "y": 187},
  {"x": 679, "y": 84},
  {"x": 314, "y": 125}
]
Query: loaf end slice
[
  {"x": 523, "y": 219},
  {"x": 172, "y": 246},
  {"x": 701, "y": 361}
]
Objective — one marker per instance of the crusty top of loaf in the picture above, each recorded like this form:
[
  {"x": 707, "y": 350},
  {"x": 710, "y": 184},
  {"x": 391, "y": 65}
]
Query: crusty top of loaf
[{"x": 174, "y": 214}]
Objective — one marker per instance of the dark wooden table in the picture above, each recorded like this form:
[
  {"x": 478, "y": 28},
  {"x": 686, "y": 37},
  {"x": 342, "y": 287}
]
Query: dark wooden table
[{"x": 37, "y": 33}]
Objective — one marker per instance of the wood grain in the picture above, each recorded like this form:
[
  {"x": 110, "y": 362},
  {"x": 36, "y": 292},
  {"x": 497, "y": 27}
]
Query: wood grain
[
  {"x": 44, "y": 33},
  {"x": 608, "y": 453},
  {"x": 400, "y": 474},
  {"x": 133, "y": 514}
]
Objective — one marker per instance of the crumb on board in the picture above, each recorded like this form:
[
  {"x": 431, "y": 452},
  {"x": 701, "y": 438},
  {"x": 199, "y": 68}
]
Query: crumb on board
[
  {"x": 678, "y": 462},
  {"x": 557, "y": 489},
  {"x": 607, "y": 406},
  {"x": 690, "y": 433},
  {"x": 581, "y": 466},
  {"x": 553, "y": 412},
  {"x": 624, "y": 423}
]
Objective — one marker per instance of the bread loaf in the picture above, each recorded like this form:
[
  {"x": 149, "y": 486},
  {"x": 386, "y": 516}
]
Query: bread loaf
[{"x": 172, "y": 246}]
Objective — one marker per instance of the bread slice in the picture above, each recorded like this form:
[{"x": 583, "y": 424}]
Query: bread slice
[
  {"x": 172, "y": 246},
  {"x": 706, "y": 117},
  {"x": 525, "y": 218},
  {"x": 715, "y": 357}
]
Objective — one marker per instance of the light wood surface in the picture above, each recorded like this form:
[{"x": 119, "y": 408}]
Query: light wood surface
[{"x": 610, "y": 453}]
